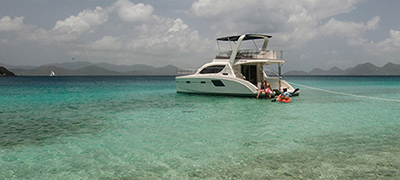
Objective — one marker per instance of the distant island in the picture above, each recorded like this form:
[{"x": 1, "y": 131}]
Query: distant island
[
  {"x": 82, "y": 68},
  {"x": 5, "y": 72},
  {"x": 366, "y": 69}
]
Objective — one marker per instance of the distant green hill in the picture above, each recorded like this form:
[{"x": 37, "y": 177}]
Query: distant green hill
[
  {"x": 82, "y": 68},
  {"x": 5, "y": 72},
  {"x": 85, "y": 71}
]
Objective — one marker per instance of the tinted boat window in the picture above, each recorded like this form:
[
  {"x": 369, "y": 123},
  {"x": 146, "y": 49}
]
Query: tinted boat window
[
  {"x": 212, "y": 69},
  {"x": 217, "y": 83}
]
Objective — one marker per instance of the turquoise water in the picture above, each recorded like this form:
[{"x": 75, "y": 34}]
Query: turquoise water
[{"x": 140, "y": 128}]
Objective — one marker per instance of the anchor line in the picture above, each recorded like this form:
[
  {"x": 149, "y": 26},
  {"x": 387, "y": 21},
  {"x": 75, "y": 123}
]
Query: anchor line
[{"x": 346, "y": 94}]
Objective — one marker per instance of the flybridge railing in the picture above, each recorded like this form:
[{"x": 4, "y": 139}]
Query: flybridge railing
[
  {"x": 255, "y": 54},
  {"x": 258, "y": 54}
]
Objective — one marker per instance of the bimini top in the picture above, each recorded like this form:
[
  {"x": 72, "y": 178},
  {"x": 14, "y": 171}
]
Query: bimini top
[{"x": 247, "y": 37}]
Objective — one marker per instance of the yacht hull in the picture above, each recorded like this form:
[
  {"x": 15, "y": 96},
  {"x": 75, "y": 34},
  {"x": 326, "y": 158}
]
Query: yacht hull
[
  {"x": 215, "y": 85},
  {"x": 223, "y": 85}
]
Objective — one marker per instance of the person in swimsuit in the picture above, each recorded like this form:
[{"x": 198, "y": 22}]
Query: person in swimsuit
[
  {"x": 268, "y": 90},
  {"x": 262, "y": 89}
]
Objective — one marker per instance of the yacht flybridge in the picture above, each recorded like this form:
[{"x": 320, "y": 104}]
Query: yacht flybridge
[{"x": 237, "y": 71}]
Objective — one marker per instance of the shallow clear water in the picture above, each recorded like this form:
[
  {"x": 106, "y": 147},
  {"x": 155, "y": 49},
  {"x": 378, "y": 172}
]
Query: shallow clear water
[{"x": 140, "y": 128}]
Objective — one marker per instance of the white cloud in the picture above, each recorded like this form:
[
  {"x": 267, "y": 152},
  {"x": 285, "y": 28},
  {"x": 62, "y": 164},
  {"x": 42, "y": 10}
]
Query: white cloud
[
  {"x": 178, "y": 26},
  {"x": 290, "y": 21},
  {"x": 168, "y": 35},
  {"x": 351, "y": 31},
  {"x": 107, "y": 43},
  {"x": 392, "y": 43},
  {"x": 162, "y": 41},
  {"x": 216, "y": 8},
  {"x": 317, "y": 9},
  {"x": 71, "y": 28},
  {"x": 83, "y": 22},
  {"x": 8, "y": 24},
  {"x": 130, "y": 12},
  {"x": 324, "y": 9},
  {"x": 168, "y": 41}
]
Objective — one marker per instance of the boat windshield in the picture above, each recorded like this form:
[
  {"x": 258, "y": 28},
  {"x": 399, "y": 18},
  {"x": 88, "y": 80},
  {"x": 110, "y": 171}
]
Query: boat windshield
[
  {"x": 212, "y": 69},
  {"x": 225, "y": 47}
]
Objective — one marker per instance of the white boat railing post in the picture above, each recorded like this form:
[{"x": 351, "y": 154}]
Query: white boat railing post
[
  {"x": 231, "y": 72},
  {"x": 235, "y": 51},
  {"x": 279, "y": 73},
  {"x": 265, "y": 44}
]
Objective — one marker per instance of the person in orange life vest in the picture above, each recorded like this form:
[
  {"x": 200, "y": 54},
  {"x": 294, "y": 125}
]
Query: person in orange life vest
[{"x": 285, "y": 95}]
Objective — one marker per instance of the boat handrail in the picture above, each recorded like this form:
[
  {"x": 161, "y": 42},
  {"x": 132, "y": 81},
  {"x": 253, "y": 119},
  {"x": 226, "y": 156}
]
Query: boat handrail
[
  {"x": 253, "y": 53},
  {"x": 258, "y": 54}
]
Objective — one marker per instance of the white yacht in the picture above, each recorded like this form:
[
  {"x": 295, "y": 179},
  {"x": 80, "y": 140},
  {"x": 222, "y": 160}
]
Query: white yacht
[
  {"x": 237, "y": 71},
  {"x": 52, "y": 73}
]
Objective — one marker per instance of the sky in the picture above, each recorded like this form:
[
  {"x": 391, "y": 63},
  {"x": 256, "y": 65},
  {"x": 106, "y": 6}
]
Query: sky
[{"x": 311, "y": 33}]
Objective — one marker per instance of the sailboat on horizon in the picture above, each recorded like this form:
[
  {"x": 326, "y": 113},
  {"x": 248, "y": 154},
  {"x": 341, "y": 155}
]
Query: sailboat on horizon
[{"x": 52, "y": 73}]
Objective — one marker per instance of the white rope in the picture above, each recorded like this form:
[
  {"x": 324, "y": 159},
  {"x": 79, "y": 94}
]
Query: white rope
[{"x": 346, "y": 94}]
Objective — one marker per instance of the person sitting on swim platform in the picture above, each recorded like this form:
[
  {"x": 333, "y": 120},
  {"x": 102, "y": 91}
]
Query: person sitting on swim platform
[
  {"x": 261, "y": 89},
  {"x": 268, "y": 90}
]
